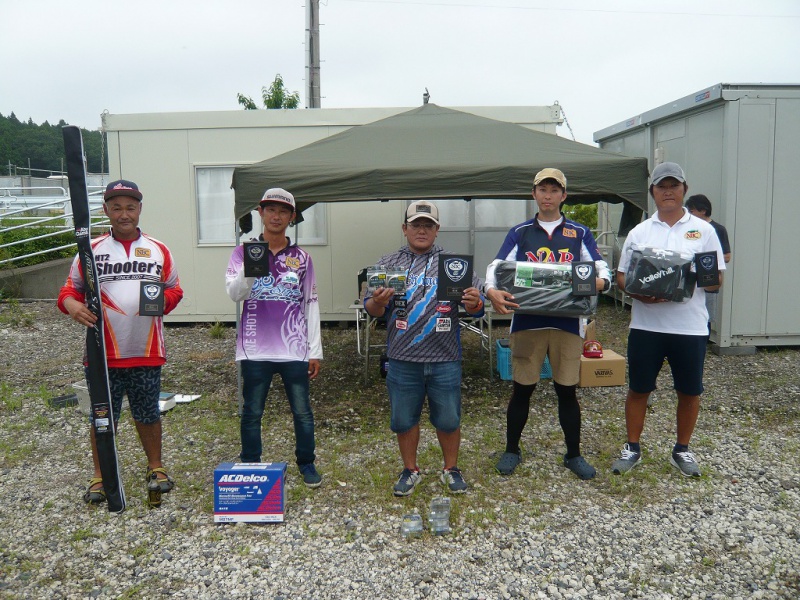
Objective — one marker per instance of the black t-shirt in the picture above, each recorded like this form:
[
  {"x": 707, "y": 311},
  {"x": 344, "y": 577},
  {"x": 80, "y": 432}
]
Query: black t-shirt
[{"x": 722, "y": 234}]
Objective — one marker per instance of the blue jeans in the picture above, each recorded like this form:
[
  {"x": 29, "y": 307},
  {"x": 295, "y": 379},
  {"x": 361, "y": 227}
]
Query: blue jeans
[
  {"x": 256, "y": 380},
  {"x": 409, "y": 382}
]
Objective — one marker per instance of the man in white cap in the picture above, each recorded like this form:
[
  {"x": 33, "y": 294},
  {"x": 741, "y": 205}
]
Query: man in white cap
[
  {"x": 548, "y": 237},
  {"x": 279, "y": 332},
  {"x": 661, "y": 329},
  {"x": 424, "y": 348}
]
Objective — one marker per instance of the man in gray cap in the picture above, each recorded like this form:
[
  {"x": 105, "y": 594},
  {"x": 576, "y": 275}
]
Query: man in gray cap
[{"x": 662, "y": 329}]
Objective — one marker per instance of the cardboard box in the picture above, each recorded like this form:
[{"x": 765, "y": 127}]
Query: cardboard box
[
  {"x": 249, "y": 492},
  {"x": 85, "y": 402},
  {"x": 166, "y": 401},
  {"x": 588, "y": 330},
  {"x": 601, "y": 372},
  {"x": 82, "y": 392}
]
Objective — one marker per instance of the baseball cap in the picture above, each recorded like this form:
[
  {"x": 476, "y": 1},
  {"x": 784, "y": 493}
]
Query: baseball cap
[
  {"x": 592, "y": 349},
  {"x": 667, "y": 169},
  {"x": 278, "y": 195},
  {"x": 422, "y": 208},
  {"x": 550, "y": 174},
  {"x": 122, "y": 187}
]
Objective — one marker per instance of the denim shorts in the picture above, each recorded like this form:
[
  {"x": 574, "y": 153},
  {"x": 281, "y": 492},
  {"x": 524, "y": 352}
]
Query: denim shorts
[
  {"x": 409, "y": 383},
  {"x": 143, "y": 388},
  {"x": 685, "y": 353}
]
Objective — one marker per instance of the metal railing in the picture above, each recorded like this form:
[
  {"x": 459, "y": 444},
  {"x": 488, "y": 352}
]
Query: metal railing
[{"x": 25, "y": 208}]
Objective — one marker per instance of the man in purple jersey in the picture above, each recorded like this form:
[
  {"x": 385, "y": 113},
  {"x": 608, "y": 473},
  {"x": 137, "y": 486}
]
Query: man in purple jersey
[
  {"x": 279, "y": 332},
  {"x": 424, "y": 348}
]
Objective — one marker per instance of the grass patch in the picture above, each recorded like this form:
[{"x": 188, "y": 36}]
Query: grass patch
[
  {"x": 12, "y": 314},
  {"x": 217, "y": 331}
]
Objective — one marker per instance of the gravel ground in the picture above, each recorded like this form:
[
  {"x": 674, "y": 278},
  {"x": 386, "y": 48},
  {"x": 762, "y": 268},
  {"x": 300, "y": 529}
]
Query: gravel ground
[{"x": 541, "y": 533}]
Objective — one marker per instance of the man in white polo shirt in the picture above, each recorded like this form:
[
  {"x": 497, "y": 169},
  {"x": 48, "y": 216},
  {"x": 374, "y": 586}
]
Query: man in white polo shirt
[{"x": 661, "y": 328}]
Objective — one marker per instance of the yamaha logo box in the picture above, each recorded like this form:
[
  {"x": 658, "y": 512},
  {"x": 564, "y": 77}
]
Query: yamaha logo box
[{"x": 249, "y": 492}]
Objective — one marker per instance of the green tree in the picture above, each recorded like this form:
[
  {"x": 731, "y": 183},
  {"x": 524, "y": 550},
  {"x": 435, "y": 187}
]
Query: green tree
[
  {"x": 274, "y": 96},
  {"x": 24, "y": 143},
  {"x": 585, "y": 214}
]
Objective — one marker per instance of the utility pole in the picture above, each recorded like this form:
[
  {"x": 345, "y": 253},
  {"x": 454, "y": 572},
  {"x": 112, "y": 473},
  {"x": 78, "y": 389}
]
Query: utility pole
[{"x": 313, "y": 96}]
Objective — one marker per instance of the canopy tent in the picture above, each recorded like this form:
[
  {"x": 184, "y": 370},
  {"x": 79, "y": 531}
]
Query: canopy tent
[{"x": 433, "y": 152}]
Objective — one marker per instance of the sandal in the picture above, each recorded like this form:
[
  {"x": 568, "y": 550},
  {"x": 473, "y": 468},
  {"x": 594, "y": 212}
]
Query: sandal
[
  {"x": 96, "y": 496},
  {"x": 165, "y": 482}
]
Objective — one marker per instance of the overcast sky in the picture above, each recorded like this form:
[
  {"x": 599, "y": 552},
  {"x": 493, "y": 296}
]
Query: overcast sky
[{"x": 603, "y": 60}]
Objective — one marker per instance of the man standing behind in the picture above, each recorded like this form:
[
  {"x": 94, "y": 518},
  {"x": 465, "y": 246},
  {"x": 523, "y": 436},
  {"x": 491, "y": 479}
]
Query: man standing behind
[
  {"x": 700, "y": 206},
  {"x": 552, "y": 238},
  {"x": 424, "y": 348},
  {"x": 135, "y": 349},
  {"x": 279, "y": 332},
  {"x": 661, "y": 329}
]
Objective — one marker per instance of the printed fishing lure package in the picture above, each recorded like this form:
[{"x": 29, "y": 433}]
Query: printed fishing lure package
[
  {"x": 543, "y": 289},
  {"x": 663, "y": 274}
]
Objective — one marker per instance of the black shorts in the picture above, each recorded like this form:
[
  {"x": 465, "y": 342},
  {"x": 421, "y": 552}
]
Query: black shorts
[
  {"x": 685, "y": 353},
  {"x": 142, "y": 385}
]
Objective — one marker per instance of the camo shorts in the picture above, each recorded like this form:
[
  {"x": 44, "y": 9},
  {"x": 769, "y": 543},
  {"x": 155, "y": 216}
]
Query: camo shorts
[{"x": 142, "y": 385}]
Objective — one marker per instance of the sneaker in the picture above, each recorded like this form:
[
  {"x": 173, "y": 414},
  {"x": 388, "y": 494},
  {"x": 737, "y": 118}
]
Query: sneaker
[
  {"x": 627, "y": 460},
  {"x": 310, "y": 475},
  {"x": 454, "y": 481},
  {"x": 508, "y": 462},
  {"x": 580, "y": 467},
  {"x": 686, "y": 463},
  {"x": 406, "y": 482}
]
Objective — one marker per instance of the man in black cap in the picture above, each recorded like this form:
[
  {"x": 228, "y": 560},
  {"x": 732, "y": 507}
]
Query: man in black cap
[{"x": 126, "y": 260}]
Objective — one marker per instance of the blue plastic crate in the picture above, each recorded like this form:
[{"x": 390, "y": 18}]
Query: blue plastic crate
[{"x": 503, "y": 352}]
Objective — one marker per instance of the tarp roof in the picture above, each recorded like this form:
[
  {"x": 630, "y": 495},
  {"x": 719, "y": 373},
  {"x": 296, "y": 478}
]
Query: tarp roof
[{"x": 434, "y": 152}]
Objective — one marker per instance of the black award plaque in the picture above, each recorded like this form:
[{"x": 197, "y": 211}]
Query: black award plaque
[
  {"x": 584, "y": 278},
  {"x": 455, "y": 275},
  {"x": 256, "y": 259},
  {"x": 705, "y": 263},
  {"x": 151, "y": 298}
]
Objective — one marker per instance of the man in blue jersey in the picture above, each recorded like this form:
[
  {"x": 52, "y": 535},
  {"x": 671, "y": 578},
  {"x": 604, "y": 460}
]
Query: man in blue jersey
[
  {"x": 548, "y": 237},
  {"x": 279, "y": 332},
  {"x": 424, "y": 348}
]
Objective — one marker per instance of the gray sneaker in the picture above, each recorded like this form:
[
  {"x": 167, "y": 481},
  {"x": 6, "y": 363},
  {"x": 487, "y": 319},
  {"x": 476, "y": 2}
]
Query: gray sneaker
[
  {"x": 406, "y": 482},
  {"x": 626, "y": 461},
  {"x": 686, "y": 463},
  {"x": 454, "y": 480}
]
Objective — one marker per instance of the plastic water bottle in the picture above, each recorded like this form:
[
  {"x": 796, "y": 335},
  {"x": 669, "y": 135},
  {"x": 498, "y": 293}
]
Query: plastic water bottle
[
  {"x": 153, "y": 491},
  {"x": 411, "y": 526},
  {"x": 439, "y": 516}
]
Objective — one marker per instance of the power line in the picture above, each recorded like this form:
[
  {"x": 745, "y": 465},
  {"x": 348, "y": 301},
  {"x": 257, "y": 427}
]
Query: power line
[{"x": 577, "y": 10}]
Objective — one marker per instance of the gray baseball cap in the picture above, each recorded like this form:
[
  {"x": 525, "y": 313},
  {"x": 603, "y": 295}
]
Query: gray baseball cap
[{"x": 667, "y": 169}]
